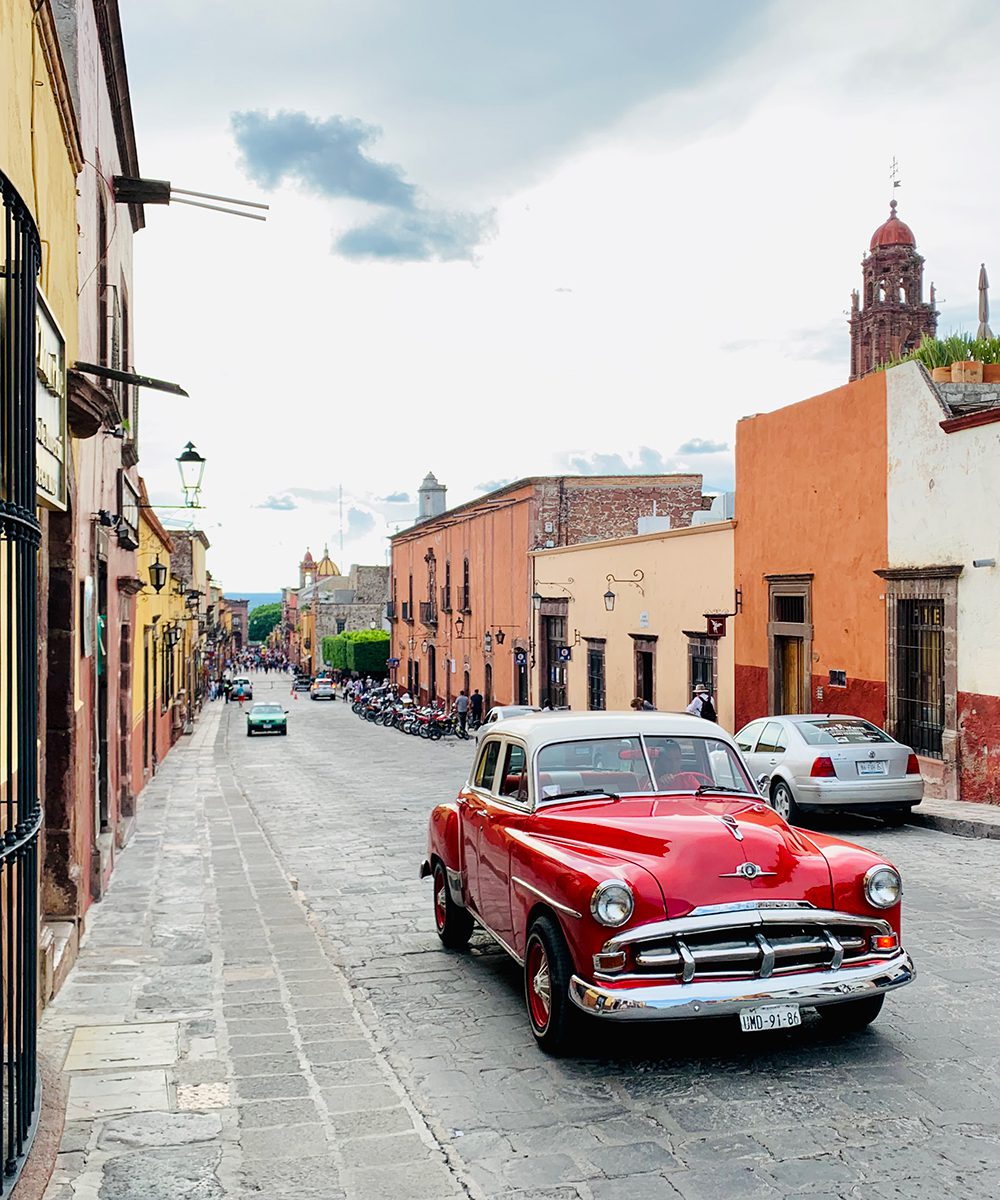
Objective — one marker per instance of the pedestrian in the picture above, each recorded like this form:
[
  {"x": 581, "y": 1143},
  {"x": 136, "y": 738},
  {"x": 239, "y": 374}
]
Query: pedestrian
[
  {"x": 642, "y": 705},
  {"x": 476, "y": 708},
  {"x": 701, "y": 705},
  {"x": 462, "y": 708}
]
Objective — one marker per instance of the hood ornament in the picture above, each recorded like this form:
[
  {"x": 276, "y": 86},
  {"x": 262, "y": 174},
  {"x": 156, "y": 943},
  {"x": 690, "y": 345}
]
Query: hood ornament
[
  {"x": 747, "y": 870},
  {"x": 730, "y": 824}
]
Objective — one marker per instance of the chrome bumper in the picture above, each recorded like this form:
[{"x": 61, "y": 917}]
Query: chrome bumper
[{"x": 681, "y": 1001}]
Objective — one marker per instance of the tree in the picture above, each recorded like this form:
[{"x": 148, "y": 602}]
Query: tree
[{"x": 262, "y": 620}]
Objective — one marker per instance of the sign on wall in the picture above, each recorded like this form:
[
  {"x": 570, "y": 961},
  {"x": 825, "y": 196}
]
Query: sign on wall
[{"x": 50, "y": 400}]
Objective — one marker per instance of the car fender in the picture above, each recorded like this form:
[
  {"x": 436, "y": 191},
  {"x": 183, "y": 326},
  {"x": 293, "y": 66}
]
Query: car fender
[
  {"x": 848, "y": 865},
  {"x": 444, "y": 842},
  {"x": 562, "y": 878}
]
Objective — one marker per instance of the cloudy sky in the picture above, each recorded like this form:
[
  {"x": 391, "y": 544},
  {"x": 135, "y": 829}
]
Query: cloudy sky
[{"x": 537, "y": 237}]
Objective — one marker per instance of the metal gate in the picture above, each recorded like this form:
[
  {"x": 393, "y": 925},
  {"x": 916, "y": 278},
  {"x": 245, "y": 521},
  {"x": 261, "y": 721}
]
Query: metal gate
[
  {"x": 20, "y": 811},
  {"x": 920, "y": 675}
]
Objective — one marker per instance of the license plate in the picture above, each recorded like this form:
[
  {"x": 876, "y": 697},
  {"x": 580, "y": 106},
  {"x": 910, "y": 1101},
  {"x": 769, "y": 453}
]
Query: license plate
[
  {"x": 879, "y": 767},
  {"x": 774, "y": 1016}
]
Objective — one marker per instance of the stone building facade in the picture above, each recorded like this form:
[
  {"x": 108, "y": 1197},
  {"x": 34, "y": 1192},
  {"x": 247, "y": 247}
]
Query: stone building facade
[
  {"x": 890, "y": 317},
  {"x": 344, "y": 603}
]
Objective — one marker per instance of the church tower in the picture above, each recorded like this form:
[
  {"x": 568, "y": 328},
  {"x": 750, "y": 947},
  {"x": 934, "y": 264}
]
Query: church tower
[
  {"x": 307, "y": 570},
  {"x": 892, "y": 317},
  {"x": 431, "y": 497}
]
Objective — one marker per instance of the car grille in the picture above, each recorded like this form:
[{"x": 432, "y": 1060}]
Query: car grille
[{"x": 813, "y": 942}]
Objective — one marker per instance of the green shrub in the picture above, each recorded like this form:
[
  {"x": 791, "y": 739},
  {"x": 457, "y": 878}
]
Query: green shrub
[
  {"x": 367, "y": 651},
  {"x": 335, "y": 651}
]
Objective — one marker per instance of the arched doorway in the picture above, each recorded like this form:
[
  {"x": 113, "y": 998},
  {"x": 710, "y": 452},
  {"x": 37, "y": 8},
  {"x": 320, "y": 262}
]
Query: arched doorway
[
  {"x": 431, "y": 674},
  {"x": 488, "y": 688}
]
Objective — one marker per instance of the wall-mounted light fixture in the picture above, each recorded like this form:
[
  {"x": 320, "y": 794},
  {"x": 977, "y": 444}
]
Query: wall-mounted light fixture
[
  {"x": 984, "y": 562},
  {"x": 537, "y": 597},
  {"x": 636, "y": 582},
  {"x": 158, "y": 575}
]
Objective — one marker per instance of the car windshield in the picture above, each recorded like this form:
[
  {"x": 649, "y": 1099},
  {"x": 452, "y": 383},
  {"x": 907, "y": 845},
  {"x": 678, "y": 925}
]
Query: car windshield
[
  {"x": 851, "y": 731},
  {"x": 621, "y": 766},
  {"x": 266, "y": 710}
]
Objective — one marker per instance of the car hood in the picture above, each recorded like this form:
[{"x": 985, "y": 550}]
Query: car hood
[{"x": 694, "y": 848}]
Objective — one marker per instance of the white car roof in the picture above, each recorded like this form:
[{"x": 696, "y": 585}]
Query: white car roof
[{"x": 546, "y": 728}]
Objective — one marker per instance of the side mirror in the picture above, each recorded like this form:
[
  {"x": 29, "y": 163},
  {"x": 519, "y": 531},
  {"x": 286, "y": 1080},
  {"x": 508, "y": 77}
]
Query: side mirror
[
  {"x": 762, "y": 782},
  {"x": 286, "y": 712}
]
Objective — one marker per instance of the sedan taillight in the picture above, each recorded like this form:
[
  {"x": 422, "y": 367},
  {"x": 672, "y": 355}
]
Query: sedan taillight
[
  {"x": 912, "y": 766},
  {"x": 823, "y": 768}
]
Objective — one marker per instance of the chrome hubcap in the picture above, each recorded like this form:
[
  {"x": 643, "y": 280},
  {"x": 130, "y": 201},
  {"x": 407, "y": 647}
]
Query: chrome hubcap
[
  {"x": 540, "y": 983},
  {"x": 781, "y": 804}
]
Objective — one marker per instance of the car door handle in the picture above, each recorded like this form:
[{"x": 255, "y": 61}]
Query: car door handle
[{"x": 772, "y": 761}]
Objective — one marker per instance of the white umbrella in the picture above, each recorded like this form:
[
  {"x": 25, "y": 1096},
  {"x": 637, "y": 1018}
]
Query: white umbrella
[{"x": 984, "y": 330}]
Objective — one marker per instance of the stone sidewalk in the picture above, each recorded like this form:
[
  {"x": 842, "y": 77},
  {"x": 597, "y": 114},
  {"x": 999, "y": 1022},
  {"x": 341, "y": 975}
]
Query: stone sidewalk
[
  {"x": 211, "y": 1047},
  {"x": 960, "y": 817}
]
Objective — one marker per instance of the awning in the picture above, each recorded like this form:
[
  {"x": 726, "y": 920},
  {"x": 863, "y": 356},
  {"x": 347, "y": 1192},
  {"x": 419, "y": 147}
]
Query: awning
[{"x": 143, "y": 381}]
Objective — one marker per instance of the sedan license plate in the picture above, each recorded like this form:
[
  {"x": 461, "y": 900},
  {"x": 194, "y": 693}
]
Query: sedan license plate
[
  {"x": 879, "y": 767},
  {"x": 774, "y": 1016}
]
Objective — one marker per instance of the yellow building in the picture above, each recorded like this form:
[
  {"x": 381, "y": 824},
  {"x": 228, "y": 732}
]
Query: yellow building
[{"x": 599, "y": 642}]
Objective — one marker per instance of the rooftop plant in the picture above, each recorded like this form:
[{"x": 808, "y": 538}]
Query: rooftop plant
[{"x": 956, "y": 347}]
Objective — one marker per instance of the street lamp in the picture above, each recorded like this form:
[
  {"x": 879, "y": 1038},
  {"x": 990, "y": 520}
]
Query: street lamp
[
  {"x": 459, "y": 625},
  {"x": 536, "y": 600},
  {"x": 158, "y": 575},
  {"x": 192, "y": 467},
  {"x": 609, "y": 600}
]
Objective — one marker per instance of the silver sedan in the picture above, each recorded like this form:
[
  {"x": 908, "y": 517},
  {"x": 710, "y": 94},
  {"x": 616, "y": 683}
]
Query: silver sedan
[{"x": 831, "y": 762}]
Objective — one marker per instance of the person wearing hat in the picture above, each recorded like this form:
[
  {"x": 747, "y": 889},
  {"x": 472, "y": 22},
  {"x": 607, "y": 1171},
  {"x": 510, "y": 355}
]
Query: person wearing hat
[{"x": 701, "y": 705}]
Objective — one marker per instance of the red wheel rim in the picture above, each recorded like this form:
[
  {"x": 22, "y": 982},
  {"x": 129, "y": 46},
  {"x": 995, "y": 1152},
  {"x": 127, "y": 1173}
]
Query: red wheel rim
[
  {"x": 440, "y": 898},
  {"x": 538, "y": 985}
]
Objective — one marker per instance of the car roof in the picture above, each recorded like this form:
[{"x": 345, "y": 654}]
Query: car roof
[
  {"x": 545, "y": 728},
  {"x": 805, "y": 718}
]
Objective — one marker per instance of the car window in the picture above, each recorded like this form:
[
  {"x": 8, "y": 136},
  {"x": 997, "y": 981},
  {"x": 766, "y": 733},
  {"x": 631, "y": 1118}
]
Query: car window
[
  {"x": 487, "y": 767},
  {"x": 686, "y": 763},
  {"x": 747, "y": 737},
  {"x": 615, "y": 765},
  {"x": 513, "y": 780},
  {"x": 842, "y": 730},
  {"x": 773, "y": 740}
]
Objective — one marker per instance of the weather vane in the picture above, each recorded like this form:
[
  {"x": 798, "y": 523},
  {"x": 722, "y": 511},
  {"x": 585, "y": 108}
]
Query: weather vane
[{"x": 894, "y": 172}]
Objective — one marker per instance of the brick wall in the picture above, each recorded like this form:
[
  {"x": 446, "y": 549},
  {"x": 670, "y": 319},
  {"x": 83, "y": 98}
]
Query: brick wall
[{"x": 577, "y": 509}]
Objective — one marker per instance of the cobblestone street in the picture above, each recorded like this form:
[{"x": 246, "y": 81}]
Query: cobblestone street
[{"x": 310, "y": 1038}]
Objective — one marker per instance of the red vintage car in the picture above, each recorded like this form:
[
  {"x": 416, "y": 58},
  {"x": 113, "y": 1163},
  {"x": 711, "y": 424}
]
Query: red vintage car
[{"x": 628, "y": 863}]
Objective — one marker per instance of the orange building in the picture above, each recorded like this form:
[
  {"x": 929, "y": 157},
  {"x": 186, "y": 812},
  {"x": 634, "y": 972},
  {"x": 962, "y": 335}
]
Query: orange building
[
  {"x": 812, "y": 531},
  {"x": 462, "y": 579}
]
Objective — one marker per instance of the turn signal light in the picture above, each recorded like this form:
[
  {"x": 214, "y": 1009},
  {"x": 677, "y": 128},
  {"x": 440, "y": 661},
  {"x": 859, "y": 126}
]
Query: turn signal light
[
  {"x": 823, "y": 768},
  {"x": 912, "y": 766},
  {"x": 609, "y": 963},
  {"x": 885, "y": 941}
]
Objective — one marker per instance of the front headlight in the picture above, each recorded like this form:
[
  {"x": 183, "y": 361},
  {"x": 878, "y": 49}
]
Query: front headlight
[
  {"x": 612, "y": 902},
  {"x": 883, "y": 887}
]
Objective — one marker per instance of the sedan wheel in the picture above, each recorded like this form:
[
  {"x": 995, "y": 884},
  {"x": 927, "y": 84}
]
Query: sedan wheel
[
  {"x": 548, "y": 967},
  {"x": 453, "y": 923},
  {"x": 783, "y": 802}
]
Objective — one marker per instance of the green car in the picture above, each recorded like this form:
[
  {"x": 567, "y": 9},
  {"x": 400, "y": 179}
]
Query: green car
[{"x": 267, "y": 718}]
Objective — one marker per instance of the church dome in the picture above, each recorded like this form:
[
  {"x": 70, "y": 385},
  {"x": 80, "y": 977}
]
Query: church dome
[
  {"x": 892, "y": 232},
  {"x": 326, "y": 566},
  {"x": 308, "y": 560}
]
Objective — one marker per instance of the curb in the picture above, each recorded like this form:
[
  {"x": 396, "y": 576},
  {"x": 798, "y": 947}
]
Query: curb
[{"x": 956, "y": 826}]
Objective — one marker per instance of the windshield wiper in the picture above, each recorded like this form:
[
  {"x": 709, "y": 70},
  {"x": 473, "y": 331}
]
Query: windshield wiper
[
  {"x": 702, "y": 788},
  {"x": 583, "y": 792}
]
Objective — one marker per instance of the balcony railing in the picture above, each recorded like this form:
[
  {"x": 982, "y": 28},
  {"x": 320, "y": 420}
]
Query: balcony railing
[
  {"x": 428, "y": 612},
  {"x": 407, "y": 611},
  {"x": 446, "y": 599},
  {"x": 390, "y": 610},
  {"x": 464, "y": 599}
]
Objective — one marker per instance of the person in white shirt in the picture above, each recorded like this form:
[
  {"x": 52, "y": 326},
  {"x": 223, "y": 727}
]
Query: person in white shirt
[{"x": 701, "y": 705}]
